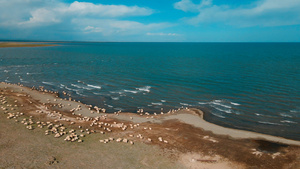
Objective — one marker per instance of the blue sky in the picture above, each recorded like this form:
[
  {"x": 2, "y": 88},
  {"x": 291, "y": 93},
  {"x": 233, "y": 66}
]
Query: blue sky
[{"x": 151, "y": 21}]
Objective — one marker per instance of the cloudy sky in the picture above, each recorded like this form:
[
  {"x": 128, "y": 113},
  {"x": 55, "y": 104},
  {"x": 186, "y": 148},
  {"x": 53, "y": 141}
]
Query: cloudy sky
[{"x": 151, "y": 20}]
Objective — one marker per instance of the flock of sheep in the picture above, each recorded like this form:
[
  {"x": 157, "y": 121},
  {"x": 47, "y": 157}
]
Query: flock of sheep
[{"x": 57, "y": 128}]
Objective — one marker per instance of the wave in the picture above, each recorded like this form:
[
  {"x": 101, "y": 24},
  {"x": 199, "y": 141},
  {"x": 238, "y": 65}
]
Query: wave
[
  {"x": 49, "y": 83},
  {"x": 287, "y": 121},
  {"x": 270, "y": 123},
  {"x": 115, "y": 98},
  {"x": 185, "y": 104},
  {"x": 138, "y": 90},
  {"x": 23, "y": 81},
  {"x": 236, "y": 104},
  {"x": 109, "y": 105},
  {"x": 6, "y": 71},
  {"x": 71, "y": 89},
  {"x": 223, "y": 110},
  {"x": 62, "y": 86},
  {"x": 131, "y": 91},
  {"x": 77, "y": 92},
  {"x": 144, "y": 89},
  {"x": 202, "y": 103},
  {"x": 218, "y": 115},
  {"x": 32, "y": 73},
  {"x": 81, "y": 87},
  {"x": 284, "y": 115},
  {"x": 218, "y": 102},
  {"x": 157, "y": 104},
  {"x": 163, "y": 101},
  {"x": 113, "y": 92},
  {"x": 94, "y": 86}
]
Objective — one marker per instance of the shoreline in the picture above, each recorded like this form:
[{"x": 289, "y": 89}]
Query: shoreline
[
  {"x": 182, "y": 130},
  {"x": 195, "y": 117},
  {"x": 24, "y": 44}
]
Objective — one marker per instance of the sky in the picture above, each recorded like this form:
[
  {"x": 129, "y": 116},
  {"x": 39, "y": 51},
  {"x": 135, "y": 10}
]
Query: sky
[{"x": 151, "y": 20}]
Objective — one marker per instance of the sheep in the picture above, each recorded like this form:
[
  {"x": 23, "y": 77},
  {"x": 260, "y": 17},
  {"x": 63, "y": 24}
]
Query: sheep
[{"x": 119, "y": 140}]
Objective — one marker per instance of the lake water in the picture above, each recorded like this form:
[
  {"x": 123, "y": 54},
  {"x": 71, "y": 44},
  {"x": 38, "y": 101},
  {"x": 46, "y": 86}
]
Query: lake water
[{"x": 252, "y": 86}]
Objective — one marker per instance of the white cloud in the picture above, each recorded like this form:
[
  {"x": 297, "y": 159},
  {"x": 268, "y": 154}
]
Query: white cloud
[
  {"x": 188, "y": 5},
  {"x": 42, "y": 16},
  {"x": 260, "y": 13},
  {"x": 57, "y": 19},
  {"x": 85, "y": 8},
  {"x": 109, "y": 27},
  {"x": 91, "y": 29},
  {"x": 57, "y": 12},
  {"x": 161, "y": 34}
]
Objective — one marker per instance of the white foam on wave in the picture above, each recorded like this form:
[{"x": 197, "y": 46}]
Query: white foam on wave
[
  {"x": 94, "y": 86},
  {"x": 294, "y": 111},
  {"x": 61, "y": 86},
  {"x": 218, "y": 115},
  {"x": 32, "y": 73},
  {"x": 185, "y": 104},
  {"x": 138, "y": 90},
  {"x": 270, "y": 123},
  {"x": 223, "y": 110},
  {"x": 81, "y": 87},
  {"x": 202, "y": 103},
  {"x": 157, "y": 104},
  {"x": 6, "y": 71},
  {"x": 77, "y": 92},
  {"x": 71, "y": 89},
  {"x": 131, "y": 91},
  {"x": 284, "y": 115},
  {"x": 48, "y": 83},
  {"x": 144, "y": 89},
  {"x": 113, "y": 92},
  {"x": 288, "y": 121},
  {"x": 115, "y": 98},
  {"x": 236, "y": 104},
  {"x": 218, "y": 102},
  {"x": 24, "y": 81},
  {"x": 163, "y": 101}
]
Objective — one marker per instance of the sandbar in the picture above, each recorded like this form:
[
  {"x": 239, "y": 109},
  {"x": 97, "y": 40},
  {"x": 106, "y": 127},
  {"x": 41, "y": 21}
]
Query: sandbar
[{"x": 67, "y": 133}]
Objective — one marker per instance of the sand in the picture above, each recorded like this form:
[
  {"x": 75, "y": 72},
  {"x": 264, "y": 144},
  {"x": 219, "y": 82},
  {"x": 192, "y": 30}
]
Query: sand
[
  {"x": 23, "y": 44},
  {"x": 182, "y": 139}
]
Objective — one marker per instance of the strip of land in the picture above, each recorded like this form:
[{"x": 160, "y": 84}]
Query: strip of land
[
  {"x": 23, "y": 44},
  {"x": 40, "y": 129}
]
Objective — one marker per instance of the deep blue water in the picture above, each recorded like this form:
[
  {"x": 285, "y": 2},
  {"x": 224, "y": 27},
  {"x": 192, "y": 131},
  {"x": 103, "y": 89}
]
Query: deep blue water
[{"x": 252, "y": 86}]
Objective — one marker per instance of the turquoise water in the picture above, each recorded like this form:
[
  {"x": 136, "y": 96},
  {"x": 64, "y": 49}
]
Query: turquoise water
[{"x": 252, "y": 86}]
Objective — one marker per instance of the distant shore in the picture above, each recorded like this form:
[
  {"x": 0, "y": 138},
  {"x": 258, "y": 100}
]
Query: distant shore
[
  {"x": 24, "y": 44},
  {"x": 182, "y": 134}
]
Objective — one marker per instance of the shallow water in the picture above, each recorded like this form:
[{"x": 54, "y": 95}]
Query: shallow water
[{"x": 253, "y": 86}]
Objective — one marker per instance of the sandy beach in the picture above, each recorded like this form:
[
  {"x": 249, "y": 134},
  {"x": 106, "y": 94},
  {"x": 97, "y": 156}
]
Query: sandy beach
[
  {"x": 39, "y": 129},
  {"x": 24, "y": 44}
]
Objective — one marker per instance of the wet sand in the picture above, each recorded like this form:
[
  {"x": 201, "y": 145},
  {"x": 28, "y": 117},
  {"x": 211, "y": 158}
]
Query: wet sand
[{"x": 175, "y": 139}]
